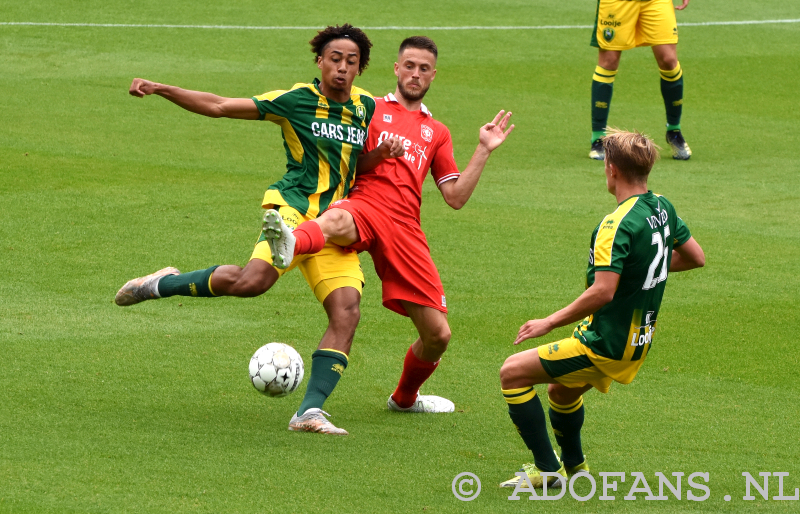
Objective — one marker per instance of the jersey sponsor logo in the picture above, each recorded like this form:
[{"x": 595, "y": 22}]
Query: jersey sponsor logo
[
  {"x": 608, "y": 224},
  {"x": 444, "y": 301},
  {"x": 427, "y": 133},
  {"x": 413, "y": 155},
  {"x": 552, "y": 348},
  {"x": 387, "y": 118},
  {"x": 641, "y": 337},
  {"x": 338, "y": 368},
  {"x": 349, "y": 134}
]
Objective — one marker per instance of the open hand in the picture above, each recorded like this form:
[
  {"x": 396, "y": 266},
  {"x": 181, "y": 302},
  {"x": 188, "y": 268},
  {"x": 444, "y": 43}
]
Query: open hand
[
  {"x": 533, "y": 328},
  {"x": 493, "y": 134}
]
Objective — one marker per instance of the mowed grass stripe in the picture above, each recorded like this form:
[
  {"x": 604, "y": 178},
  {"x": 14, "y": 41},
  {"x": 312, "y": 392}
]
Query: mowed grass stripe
[{"x": 393, "y": 27}]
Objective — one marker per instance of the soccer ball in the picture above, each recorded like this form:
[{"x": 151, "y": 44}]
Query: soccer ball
[{"x": 276, "y": 369}]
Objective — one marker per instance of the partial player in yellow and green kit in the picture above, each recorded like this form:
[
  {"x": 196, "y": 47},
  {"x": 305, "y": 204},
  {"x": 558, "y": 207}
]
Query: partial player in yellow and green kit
[
  {"x": 625, "y": 24},
  {"x": 632, "y": 252},
  {"x": 324, "y": 126}
]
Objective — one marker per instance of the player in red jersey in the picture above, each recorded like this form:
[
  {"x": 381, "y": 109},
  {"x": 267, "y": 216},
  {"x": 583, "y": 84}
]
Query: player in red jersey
[{"x": 381, "y": 214}]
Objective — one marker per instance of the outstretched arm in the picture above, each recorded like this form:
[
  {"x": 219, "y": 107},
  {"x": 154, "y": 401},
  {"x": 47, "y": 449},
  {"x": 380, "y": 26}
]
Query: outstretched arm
[
  {"x": 457, "y": 192},
  {"x": 599, "y": 294},
  {"x": 682, "y": 6},
  {"x": 207, "y": 104},
  {"x": 687, "y": 256}
]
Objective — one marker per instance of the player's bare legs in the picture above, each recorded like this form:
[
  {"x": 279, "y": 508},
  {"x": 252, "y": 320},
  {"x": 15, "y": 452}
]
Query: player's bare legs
[
  {"x": 672, "y": 92},
  {"x": 609, "y": 59},
  {"x": 421, "y": 361},
  {"x": 342, "y": 308},
  {"x": 525, "y": 369},
  {"x": 518, "y": 375},
  {"x": 434, "y": 332},
  {"x": 338, "y": 227},
  {"x": 230, "y": 280},
  {"x": 329, "y": 361},
  {"x": 666, "y": 56},
  {"x": 256, "y": 278}
]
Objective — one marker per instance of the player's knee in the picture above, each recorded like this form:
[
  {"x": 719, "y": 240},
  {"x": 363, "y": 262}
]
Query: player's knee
[
  {"x": 438, "y": 340},
  {"x": 248, "y": 284},
  {"x": 509, "y": 373},
  {"x": 250, "y": 287},
  {"x": 336, "y": 219},
  {"x": 346, "y": 316}
]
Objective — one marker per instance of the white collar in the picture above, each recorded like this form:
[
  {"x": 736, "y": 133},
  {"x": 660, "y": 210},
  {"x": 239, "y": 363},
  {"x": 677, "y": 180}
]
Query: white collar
[{"x": 391, "y": 98}]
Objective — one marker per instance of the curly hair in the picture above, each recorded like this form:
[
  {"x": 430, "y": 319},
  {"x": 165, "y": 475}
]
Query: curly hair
[{"x": 354, "y": 34}]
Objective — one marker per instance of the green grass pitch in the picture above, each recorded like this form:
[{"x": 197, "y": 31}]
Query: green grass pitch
[{"x": 149, "y": 409}]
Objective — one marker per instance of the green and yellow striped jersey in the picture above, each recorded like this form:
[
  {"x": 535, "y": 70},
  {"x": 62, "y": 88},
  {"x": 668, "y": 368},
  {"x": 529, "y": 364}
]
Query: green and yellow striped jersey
[
  {"x": 322, "y": 139},
  {"x": 636, "y": 241}
]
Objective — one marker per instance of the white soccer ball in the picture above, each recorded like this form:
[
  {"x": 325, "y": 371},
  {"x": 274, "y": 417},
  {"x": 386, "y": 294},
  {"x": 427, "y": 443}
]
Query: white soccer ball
[{"x": 276, "y": 369}]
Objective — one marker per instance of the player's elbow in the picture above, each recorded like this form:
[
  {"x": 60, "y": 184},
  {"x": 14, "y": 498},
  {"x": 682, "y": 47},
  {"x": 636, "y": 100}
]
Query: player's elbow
[
  {"x": 455, "y": 200},
  {"x": 700, "y": 261},
  {"x": 456, "y": 204}
]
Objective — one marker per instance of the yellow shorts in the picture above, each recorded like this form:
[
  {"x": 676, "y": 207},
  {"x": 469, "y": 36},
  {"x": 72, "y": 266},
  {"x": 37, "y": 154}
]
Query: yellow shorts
[
  {"x": 326, "y": 271},
  {"x": 573, "y": 364},
  {"x": 626, "y": 24}
]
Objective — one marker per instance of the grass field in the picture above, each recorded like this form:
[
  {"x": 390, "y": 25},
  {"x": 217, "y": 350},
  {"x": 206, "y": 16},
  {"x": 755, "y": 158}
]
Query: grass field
[{"x": 148, "y": 408}]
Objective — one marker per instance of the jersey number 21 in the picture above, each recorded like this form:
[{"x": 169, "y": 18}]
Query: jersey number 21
[{"x": 661, "y": 257}]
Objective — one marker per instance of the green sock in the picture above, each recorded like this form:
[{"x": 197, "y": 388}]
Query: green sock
[
  {"x": 327, "y": 367},
  {"x": 527, "y": 414},
  {"x": 194, "y": 283},
  {"x": 672, "y": 92},
  {"x": 567, "y": 421},
  {"x": 602, "y": 90}
]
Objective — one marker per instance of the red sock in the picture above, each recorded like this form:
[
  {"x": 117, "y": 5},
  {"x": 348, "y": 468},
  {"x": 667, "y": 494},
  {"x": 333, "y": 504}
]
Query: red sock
[
  {"x": 415, "y": 373},
  {"x": 309, "y": 238}
]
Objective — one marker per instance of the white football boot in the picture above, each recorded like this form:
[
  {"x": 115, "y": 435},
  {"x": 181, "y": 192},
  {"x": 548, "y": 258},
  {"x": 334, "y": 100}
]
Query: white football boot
[
  {"x": 280, "y": 238},
  {"x": 426, "y": 404},
  {"x": 313, "y": 420},
  {"x": 142, "y": 288}
]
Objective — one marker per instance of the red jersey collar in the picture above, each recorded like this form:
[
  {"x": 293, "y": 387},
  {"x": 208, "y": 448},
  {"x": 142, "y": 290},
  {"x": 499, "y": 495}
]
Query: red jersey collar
[{"x": 391, "y": 98}]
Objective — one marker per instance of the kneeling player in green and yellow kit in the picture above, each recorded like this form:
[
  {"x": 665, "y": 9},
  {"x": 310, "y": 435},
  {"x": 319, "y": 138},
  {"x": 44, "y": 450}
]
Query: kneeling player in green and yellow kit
[
  {"x": 625, "y": 24},
  {"x": 324, "y": 127},
  {"x": 632, "y": 250}
]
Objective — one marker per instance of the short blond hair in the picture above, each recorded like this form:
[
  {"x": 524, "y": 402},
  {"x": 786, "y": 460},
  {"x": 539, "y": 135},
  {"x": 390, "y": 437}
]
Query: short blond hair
[{"x": 632, "y": 153}]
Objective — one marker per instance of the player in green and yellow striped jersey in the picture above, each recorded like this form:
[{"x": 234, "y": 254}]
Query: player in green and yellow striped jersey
[
  {"x": 632, "y": 250},
  {"x": 324, "y": 125}
]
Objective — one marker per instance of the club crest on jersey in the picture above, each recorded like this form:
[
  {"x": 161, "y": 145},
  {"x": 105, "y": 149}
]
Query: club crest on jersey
[
  {"x": 387, "y": 118},
  {"x": 361, "y": 112},
  {"x": 427, "y": 133}
]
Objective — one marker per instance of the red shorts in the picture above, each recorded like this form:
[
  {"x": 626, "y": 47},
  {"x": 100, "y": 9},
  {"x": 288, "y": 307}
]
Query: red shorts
[{"x": 401, "y": 256}]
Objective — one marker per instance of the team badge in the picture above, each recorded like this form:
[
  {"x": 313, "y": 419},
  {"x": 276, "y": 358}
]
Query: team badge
[
  {"x": 608, "y": 34},
  {"x": 361, "y": 112},
  {"x": 387, "y": 118},
  {"x": 427, "y": 133}
]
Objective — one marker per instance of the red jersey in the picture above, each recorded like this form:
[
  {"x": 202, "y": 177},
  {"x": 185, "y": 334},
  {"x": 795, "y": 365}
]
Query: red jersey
[{"x": 397, "y": 183}]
